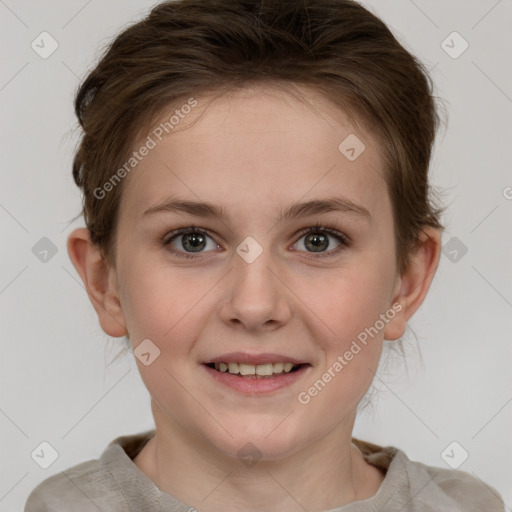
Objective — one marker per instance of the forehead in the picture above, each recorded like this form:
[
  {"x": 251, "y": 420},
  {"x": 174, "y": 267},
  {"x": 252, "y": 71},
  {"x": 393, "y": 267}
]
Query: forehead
[{"x": 255, "y": 145}]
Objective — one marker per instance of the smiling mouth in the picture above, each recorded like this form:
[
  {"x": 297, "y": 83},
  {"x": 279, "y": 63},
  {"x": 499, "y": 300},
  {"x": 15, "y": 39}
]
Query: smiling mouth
[{"x": 258, "y": 371}]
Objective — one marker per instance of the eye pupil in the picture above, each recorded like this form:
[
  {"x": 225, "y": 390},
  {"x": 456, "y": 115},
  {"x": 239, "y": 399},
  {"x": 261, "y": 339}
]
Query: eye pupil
[
  {"x": 318, "y": 242},
  {"x": 193, "y": 241}
]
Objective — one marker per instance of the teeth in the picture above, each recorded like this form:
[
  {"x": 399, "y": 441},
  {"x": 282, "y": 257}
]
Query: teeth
[
  {"x": 233, "y": 368},
  {"x": 247, "y": 369},
  {"x": 278, "y": 367},
  {"x": 288, "y": 367},
  {"x": 264, "y": 370}
]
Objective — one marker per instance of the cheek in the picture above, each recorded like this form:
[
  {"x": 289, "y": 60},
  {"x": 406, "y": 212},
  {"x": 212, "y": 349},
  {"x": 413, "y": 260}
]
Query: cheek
[
  {"x": 353, "y": 308},
  {"x": 350, "y": 300},
  {"x": 350, "y": 352},
  {"x": 354, "y": 350},
  {"x": 166, "y": 308},
  {"x": 158, "y": 301}
]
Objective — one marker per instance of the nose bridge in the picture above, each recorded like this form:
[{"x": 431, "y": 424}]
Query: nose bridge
[
  {"x": 251, "y": 273},
  {"x": 256, "y": 296}
]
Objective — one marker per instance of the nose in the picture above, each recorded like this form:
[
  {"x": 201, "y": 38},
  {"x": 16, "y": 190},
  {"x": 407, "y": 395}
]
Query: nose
[{"x": 256, "y": 297}]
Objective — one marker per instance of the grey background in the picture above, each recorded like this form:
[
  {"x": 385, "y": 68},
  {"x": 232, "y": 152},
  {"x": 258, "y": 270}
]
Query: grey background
[{"x": 60, "y": 379}]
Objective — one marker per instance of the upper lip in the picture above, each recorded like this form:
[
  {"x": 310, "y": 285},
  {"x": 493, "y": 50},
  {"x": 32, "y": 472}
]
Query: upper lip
[{"x": 255, "y": 359}]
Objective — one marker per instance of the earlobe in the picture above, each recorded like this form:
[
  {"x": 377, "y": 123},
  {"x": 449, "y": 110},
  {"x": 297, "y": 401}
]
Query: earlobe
[
  {"x": 413, "y": 285},
  {"x": 98, "y": 280}
]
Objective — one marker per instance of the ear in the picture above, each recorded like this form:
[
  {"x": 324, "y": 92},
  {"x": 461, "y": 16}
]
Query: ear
[
  {"x": 99, "y": 280},
  {"x": 412, "y": 286}
]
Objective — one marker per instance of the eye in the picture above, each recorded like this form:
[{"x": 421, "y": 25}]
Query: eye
[
  {"x": 189, "y": 240},
  {"x": 318, "y": 240}
]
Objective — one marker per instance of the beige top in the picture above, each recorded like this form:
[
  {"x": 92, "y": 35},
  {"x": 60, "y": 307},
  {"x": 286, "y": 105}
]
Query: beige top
[{"x": 114, "y": 483}]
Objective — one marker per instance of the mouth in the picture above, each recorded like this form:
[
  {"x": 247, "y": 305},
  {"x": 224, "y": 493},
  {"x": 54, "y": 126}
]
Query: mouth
[
  {"x": 256, "y": 375},
  {"x": 255, "y": 371}
]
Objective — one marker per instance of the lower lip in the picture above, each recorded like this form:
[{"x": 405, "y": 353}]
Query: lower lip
[{"x": 255, "y": 386}]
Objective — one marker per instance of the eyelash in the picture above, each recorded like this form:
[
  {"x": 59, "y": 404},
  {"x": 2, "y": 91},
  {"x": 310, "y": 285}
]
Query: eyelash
[{"x": 325, "y": 228}]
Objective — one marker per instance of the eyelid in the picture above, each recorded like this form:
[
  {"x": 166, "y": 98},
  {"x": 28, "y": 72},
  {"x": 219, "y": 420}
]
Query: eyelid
[
  {"x": 183, "y": 231},
  {"x": 326, "y": 228}
]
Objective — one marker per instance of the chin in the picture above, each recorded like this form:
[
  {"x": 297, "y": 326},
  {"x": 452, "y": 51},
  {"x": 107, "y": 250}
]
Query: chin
[{"x": 255, "y": 440}]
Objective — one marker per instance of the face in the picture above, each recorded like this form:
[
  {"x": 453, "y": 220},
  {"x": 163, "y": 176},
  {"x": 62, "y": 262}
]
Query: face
[{"x": 253, "y": 284}]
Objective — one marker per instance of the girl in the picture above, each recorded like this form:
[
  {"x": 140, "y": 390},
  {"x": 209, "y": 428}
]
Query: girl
[{"x": 259, "y": 221}]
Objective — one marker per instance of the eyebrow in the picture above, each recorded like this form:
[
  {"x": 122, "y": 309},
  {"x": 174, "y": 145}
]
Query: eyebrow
[{"x": 296, "y": 210}]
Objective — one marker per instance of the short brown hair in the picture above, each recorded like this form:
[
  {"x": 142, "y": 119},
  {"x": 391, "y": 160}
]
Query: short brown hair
[{"x": 185, "y": 48}]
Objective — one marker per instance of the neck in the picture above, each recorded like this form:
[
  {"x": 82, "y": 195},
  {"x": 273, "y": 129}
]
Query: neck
[{"x": 326, "y": 474}]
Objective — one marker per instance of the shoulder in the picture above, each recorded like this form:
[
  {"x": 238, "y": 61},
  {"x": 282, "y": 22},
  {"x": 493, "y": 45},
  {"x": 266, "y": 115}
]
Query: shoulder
[
  {"x": 435, "y": 488},
  {"x": 100, "y": 484},
  {"x": 411, "y": 486},
  {"x": 80, "y": 488}
]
